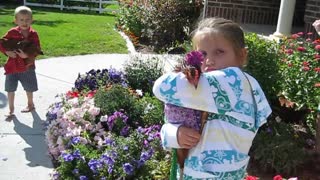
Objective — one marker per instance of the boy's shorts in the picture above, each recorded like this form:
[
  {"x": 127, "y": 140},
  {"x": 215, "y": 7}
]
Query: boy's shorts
[{"x": 28, "y": 80}]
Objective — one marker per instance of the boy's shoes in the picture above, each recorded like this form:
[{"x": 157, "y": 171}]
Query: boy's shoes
[{"x": 28, "y": 109}]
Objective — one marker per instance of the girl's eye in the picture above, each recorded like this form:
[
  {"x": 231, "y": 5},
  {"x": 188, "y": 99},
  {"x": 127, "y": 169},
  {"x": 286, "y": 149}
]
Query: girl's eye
[
  {"x": 204, "y": 53},
  {"x": 219, "y": 51}
]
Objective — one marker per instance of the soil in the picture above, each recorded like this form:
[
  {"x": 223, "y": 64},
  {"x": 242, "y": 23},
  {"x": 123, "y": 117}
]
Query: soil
[{"x": 310, "y": 170}]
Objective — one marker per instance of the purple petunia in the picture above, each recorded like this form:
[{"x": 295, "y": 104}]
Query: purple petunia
[
  {"x": 95, "y": 165},
  {"x": 75, "y": 140},
  {"x": 128, "y": 168},
  {"x": 67, "y": 157},
  {"x": 83, "y": 178}
]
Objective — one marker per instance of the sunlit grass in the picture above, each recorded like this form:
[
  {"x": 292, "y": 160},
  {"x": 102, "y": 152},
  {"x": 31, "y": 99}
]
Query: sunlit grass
[{"x": 69, "y": 33}]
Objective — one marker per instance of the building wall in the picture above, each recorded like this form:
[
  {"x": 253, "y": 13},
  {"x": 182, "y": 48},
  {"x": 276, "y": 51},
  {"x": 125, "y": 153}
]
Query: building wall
[
  {"x": 312, "y": 13},
  {"x": 252, "y": 11}
]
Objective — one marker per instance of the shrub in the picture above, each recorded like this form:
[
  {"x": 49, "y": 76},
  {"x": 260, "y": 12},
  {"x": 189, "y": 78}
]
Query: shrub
[
  {"x": 153, "y": 110},
  {"x": 141, "y": 72},
  {"x": 118, "y": 98},
  {"x": 159, "y": 23},
  {"x": 300, "y": 69},
  {"x": 277, "y": 147},
  {"x": 87, "y": 147},
  {"x": 262, "y": 64}
]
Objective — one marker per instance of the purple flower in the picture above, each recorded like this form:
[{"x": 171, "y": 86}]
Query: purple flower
[
  {"x": 56, "y": 176},
  {"x": 126, "y": 148},
  {"x": 94, "y": 165},
  {"x": 75, "y": 171},
  {"x": 194, "y": 58},
  {"x": 67, "y": 157},
  {"x": 128, "y": 168},
  {"x": 83, "y": 178},
  {"x": 141, "y": 130},
  {"x": 75, "y": 140},
  {"x": 140, "y": 163},
  {"x": 76, "y": 154},
  {"x": 145, "y": 156},
  {"x": 124, "y": 131},
  {"x": 109, "y": 141},
  {"x": 108, "y": 160}
]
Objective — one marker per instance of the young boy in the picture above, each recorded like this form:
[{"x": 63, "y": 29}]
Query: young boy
[{"x": 16, "y": 68}]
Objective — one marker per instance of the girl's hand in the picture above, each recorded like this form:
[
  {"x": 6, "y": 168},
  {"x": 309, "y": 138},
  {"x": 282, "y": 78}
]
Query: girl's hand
[
  {"x": 21, "y": 54},
  {"x": 316, "y": 25},
  {"x": 11, "y": 54},
  {"x": 187, "y": 137}
]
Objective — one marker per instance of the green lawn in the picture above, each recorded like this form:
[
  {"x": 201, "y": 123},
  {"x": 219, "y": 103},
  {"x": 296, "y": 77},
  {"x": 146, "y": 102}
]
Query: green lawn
[{"x": 69, "y": 33}]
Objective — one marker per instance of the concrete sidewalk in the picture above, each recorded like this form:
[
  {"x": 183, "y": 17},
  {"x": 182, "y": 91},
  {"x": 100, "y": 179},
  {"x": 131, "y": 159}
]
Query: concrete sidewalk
[{"x": 23, "y": 151}]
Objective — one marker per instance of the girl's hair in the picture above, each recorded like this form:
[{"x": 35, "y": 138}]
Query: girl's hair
[
  {"x": 230, "y": 30},
  {"x": 22, "y": 10}
]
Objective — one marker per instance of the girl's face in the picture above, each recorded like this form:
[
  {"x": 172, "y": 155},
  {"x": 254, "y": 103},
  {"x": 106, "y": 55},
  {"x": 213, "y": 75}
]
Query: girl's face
[
  {"x": 24, "y": 21},
  {"x": 218, "y": 52}
]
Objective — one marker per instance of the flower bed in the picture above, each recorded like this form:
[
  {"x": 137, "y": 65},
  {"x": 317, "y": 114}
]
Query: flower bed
[{"x": 103, "y": 129}]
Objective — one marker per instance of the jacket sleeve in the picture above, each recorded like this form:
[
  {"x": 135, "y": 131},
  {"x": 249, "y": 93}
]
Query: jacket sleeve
[{"x": 169, "y": 136}]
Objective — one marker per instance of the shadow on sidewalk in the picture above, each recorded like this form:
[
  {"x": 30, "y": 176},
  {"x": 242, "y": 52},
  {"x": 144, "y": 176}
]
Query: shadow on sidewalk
[
  {"x": 37, "y": 154},
  {"x": 3, "y": 100}
]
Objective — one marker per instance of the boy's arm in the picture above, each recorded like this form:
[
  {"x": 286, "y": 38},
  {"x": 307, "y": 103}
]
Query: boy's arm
[
  {"x": 11, "y": 54},
  {"x": 2, "y": 49}
]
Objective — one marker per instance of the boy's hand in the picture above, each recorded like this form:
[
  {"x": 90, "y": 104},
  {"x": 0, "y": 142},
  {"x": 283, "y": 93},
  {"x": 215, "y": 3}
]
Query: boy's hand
[
  {"x": 187, "y": 137},
  {"x": 21, "y": 54},
  {"x": 11, "y": 54}
]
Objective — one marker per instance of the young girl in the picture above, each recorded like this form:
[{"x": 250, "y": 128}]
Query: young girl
[
  {"x": 191, "y": 118},
  {"x": 235, "y": 101}
]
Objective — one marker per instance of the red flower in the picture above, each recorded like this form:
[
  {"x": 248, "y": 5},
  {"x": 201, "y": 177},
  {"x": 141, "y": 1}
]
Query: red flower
[
  {"x": 277, "y": 177},
  {"x": 309, "y": 33},
  {"x": 300, "y": 33},
  {"x": 306, "y": 68},
  {"x": 305, "y": 63},
  {"x": 317, "y": 47},
  {"x": 91, "y": 94},
  {"x": 317, "y": 85},
  {"x": 317, "y": 56},
  {"x": 301, "y": 49},
  {"x": 290, "y": 64},
  {"x": 289, "y": 51},
  {"x": 72, "y": 94},
  {"x": 251, "y": 178},
  {"x": 295, "y": 36},
  {"x": 317, "y": 69}
]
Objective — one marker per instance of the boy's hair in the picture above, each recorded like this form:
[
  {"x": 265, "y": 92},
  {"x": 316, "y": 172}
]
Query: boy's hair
[
  {"x": 22, "y": 10},
  {"x": 229, "y": 29}
]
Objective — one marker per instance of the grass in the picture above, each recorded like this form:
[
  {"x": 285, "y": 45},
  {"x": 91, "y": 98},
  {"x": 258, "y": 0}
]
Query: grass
[{"x": 69, "y": 33}]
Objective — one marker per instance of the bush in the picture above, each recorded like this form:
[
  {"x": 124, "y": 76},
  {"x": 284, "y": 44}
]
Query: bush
[
  {"x": 277, "y": 147},
  {"x": 153, "y": 110},
  {"x": 119, "y": 98},
  {"x": 262, "y": 64},
  {"x": 300, "y": 69},
  {"x": 159, "y": 23},
  {"x": 87, "y": 142},
  {"x": 142, "y": 72}
]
